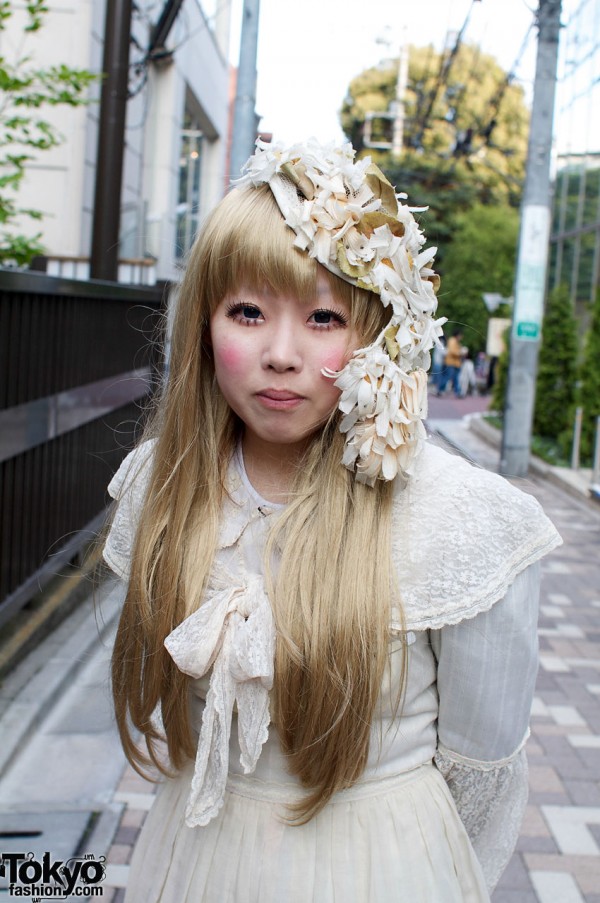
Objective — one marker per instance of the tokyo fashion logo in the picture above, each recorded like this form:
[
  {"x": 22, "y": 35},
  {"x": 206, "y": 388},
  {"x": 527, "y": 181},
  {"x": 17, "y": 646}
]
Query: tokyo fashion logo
[{"x": 28, "y": 876}]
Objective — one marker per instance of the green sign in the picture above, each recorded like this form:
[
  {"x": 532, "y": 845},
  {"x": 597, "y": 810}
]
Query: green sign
[{"x": 528, "y": 331}]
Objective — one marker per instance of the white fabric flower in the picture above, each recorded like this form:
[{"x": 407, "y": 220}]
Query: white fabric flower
[{"x": 350, "y": 218}]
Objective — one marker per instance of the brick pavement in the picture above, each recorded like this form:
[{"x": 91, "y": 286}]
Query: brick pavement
[
  {"x": 558, "y": 854},
  {"x": 136, "y": 795}
]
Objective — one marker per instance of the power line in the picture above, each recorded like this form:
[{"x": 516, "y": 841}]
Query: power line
[
  {"x": 444, "y": 71},
  {"x": 204, "y": 26},
  {"x": 496, "y": 101}
]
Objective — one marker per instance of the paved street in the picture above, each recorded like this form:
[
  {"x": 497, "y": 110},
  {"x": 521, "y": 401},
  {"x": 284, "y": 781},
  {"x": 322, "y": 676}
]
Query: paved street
[{"x": 558, "y": 856}]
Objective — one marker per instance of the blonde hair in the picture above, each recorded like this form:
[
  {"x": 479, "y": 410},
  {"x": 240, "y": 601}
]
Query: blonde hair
[{"x": 331, "y": 594}]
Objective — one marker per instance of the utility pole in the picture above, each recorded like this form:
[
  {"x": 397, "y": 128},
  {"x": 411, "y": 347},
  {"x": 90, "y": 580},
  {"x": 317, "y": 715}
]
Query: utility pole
[
  {"x": 161, "y": 30},
  {"x": 104, "y": 259},
  {"x": 532, "y": 259},
  {"x": 399, "y": 106},
  {"x": 396, "y": 112},
  {"x": 244, "y": 110}
]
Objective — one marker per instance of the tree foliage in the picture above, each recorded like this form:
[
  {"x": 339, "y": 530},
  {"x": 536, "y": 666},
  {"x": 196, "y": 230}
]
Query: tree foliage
[
  {"x": 26, "y": 89},
  {"x": 441, "y": 186},
  {"x": 588, "y": 391},
  {"x": 465, "y": 146},
  {"x": 472, "y": 116},
  {"x": 576, "y": 192},
  {"x": 557, "y": 366},
  {"x": 480, "y": 258}
]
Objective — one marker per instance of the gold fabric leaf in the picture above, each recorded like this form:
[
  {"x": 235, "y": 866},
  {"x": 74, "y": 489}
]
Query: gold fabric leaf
[
  {"x": 393, "y": 348},
  {"x": 435, "y": 281},
  {"x": 381, "y": 188},
  {"x": 368, "y": 286},
  {"x": 297, "y": 173},
  {"x": 371, "y": 221},
  {"x": 348, "y": 268}
]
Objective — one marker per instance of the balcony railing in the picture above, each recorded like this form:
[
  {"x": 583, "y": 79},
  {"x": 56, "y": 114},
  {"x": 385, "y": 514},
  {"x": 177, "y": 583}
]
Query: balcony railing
[{"x": 131, "y": 271}]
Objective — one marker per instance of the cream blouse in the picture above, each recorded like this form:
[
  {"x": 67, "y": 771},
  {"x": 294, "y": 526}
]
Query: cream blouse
[{"x": 465, "y": 545}]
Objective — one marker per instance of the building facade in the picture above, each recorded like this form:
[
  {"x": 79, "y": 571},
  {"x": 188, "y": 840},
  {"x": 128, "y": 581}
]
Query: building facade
[
  {"x": 575, "y": 237},
  {"x": 175, "y": 137}
]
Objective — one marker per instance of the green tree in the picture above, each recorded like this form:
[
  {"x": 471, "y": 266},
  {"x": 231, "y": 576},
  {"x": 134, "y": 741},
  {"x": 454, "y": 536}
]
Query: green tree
[
  {"x": 588, "y": 392},
  {"x": 557, "y": 366},
  {"x": 472, "y": 116},
  {"x": 576, "y": 205},
  {"x": 480, "y": 258},
  {"x": 26, "y": 90},
  {"x": 440, "y": 185}
]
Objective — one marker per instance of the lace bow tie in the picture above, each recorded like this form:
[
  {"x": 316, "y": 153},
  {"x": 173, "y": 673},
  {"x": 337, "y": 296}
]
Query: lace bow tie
[{"x": 234, "y": 632}]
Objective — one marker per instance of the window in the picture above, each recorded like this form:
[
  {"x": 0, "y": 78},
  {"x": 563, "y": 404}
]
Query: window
[{"x": 188, "y": 200}]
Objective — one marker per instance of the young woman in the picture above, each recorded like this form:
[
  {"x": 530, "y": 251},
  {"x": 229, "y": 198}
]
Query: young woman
[{"x": 330, "y": 621}]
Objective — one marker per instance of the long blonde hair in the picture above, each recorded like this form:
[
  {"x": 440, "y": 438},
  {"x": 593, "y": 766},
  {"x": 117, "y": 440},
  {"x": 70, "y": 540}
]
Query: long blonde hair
[{"x": 331, "y": 594}]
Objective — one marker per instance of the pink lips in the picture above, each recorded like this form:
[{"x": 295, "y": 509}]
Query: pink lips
[{"x": 278, "y": 399}]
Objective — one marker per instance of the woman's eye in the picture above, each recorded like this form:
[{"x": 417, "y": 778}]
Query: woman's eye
[
  {"x": 244, "y": 313},
  {"x": 328, "y": 318},
  {"x": 250, "y": 313}
]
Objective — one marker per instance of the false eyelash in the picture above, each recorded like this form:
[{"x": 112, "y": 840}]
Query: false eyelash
[
  {"x": 341, "y": 317},
  {"x": 236, "y": 306}
]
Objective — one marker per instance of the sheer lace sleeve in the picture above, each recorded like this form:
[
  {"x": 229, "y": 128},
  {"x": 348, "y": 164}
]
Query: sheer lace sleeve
[
  {"x": 491, "y": 799},
  {"x": 486, "y": 676},
  {"x": 127, "y": 487}
]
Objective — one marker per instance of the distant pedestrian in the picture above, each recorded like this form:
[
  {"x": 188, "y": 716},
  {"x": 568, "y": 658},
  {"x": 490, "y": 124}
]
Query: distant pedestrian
[
  {"x": 437, "y": 366},
  {"x": 452, "y": 364},
  {"x": 467, "y": 379},
  {"x": 491, "y": 377}
]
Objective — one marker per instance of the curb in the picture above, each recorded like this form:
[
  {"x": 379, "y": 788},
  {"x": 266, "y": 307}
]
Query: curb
[
  {"x": 43, "y": 615},
  {"x": 39, "y": 679},
  {"x": 540, "y": 468}
]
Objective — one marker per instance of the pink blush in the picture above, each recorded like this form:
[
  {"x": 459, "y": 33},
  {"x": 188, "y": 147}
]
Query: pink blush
[
  {"x": 231, "y": 357},
  {"x": 335, "y": 361}
]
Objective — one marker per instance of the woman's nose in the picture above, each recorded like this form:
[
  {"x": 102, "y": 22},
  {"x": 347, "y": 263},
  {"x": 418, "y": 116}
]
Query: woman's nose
[{"x": 282, "y": 349}]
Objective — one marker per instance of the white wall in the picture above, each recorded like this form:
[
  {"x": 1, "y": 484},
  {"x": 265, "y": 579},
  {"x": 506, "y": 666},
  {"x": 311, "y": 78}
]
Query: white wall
[
  {"x": 54, "y": 180},
  {"x": 61, "y": 182},
  {"x": 199, "y": 69},
  {"x": 166, "y": 101}
]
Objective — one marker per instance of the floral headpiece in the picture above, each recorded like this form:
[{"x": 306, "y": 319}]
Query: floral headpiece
[{"x": 346, "y": 214}]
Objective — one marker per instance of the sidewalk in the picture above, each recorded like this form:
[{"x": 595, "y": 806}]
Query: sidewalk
[
  {"x": 558, "y": 854},
  {"x": 66, "y": 777}
]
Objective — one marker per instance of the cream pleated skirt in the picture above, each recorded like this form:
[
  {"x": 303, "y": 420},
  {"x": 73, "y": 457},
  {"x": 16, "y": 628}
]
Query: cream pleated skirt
[{"x": 396, "y": 840}]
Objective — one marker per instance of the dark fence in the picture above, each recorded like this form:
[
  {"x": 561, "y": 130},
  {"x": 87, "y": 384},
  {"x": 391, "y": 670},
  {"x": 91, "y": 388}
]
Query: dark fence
[{"x": 78, "y": 361}]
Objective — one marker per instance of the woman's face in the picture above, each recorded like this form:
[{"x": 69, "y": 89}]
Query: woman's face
[{"x": 269, "y": 351}]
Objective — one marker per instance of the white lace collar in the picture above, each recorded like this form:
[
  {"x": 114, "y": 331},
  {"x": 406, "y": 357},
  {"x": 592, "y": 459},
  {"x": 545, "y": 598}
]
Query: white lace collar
[{"x": 460, "y": 535}]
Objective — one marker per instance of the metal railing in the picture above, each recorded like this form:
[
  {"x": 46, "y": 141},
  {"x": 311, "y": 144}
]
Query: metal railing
[
  {"x": 78, "y": 361},
  {"x": 131, "y": 271}
]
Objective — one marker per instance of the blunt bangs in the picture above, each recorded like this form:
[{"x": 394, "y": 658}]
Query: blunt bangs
[
  {"x": 251, "y": 247},
  {"x": 245, "y": 243}
]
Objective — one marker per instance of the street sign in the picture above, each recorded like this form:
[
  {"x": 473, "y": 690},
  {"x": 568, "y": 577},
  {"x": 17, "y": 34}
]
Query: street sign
[
  {"x": 528, "y": 331},
  {"x": 531, "y": 276}
]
